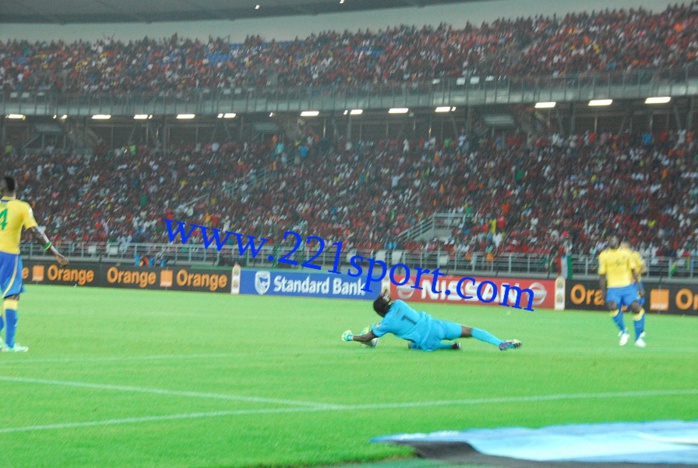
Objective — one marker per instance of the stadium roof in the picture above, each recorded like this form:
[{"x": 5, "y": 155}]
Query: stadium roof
[{"x": 149, "y": 11}]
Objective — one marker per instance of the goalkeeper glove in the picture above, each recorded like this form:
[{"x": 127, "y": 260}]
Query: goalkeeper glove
[
  {"x": 347, "y": 336},
  {"x": 370, "y": 328}
]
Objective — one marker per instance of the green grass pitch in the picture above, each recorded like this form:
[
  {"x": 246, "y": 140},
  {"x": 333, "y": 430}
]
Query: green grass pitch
[{"x": 155, "y": 378}]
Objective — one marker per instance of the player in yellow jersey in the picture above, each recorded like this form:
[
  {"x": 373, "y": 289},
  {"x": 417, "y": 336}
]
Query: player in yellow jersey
[
  {"x": 618, "y": 279},
  {"x": 15, "y": 215}
]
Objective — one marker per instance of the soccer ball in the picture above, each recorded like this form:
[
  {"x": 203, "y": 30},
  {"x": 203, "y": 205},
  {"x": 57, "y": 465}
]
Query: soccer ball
[{"x": 371, "y": 344}]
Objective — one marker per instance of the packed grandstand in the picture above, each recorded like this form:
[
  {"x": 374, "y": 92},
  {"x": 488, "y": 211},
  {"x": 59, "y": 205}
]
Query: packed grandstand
[
  {"x": 517, "y": 191},
  {"x": 618, "y": 40},
  {"x": 516, "y": 194}
]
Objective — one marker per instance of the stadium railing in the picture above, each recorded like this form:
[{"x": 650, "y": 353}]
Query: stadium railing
[
  {"x": 465, "y": 90},
  {"x": 448, "y": 262},
  {"x": 437, "y": 225}
]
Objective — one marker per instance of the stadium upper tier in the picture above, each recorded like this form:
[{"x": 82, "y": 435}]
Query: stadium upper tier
[
  {"x": 581, "y": 43},
  {"x": 514, "y": 194}
]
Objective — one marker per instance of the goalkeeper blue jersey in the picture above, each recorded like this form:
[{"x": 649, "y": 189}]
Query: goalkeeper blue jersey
[{"x": 406, "y": 323}]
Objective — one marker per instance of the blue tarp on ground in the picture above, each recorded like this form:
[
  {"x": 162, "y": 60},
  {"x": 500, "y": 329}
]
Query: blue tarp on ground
[{"x": 649, "y": 442}]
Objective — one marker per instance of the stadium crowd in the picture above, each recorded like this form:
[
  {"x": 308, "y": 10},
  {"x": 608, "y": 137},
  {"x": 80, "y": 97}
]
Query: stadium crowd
[
  {"x": 618, "y": 40},
  {"x": 512, "y": 193}
]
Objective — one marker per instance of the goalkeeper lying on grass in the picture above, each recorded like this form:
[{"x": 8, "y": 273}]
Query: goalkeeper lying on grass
[{"x": 421, "y": 330}]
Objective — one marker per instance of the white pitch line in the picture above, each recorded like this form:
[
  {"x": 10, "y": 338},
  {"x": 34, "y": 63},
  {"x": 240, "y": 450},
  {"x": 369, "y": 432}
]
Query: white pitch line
[
  {"x": 164, "y": 357},
  {"x": 158, "y": 357},
  {"x": 415, "y": 404},
  {"x": 533, "y": 398},
  {"x": 157, "y": 391},
  {"x": 146, "y": 419}
]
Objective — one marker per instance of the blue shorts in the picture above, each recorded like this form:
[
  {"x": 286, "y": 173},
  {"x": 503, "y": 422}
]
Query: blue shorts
[
  {"x": 641, "y": 300},
  {"x": 623, "y": 296},
  {"x": 442, "y": 330},
  {"x": 11, "y": 274}
]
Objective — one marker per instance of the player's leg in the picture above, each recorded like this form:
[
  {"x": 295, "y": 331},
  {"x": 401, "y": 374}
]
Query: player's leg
[
  {"x": 630, "y": 296},
  {"x": 639, "y": 322},
  {"x": 617, "y": 315},
  {"x": 639, "y": 317},
  {"x": 641, "y": 299},
  {"x": 614, "y": 304},
  {"x": 487, "y": 337},
  {"x": 10, "y": 306},
  {"x": 12, "y": 287},
  {"x": 618, "y": 319}
]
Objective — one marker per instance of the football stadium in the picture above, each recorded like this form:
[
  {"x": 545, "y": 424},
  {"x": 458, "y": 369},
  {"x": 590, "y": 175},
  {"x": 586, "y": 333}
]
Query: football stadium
[{"x": 395, "y": 233}]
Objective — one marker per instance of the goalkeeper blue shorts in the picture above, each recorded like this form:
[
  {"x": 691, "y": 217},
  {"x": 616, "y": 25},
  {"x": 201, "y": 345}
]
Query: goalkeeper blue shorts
[{"x": 441, "y": 330}]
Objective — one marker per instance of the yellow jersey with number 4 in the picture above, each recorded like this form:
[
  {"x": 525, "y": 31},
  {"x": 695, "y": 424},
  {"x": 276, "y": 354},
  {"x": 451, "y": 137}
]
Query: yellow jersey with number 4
[
  {"x": 14, "y": 214},
  {"x": 617, "y": 265}
]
